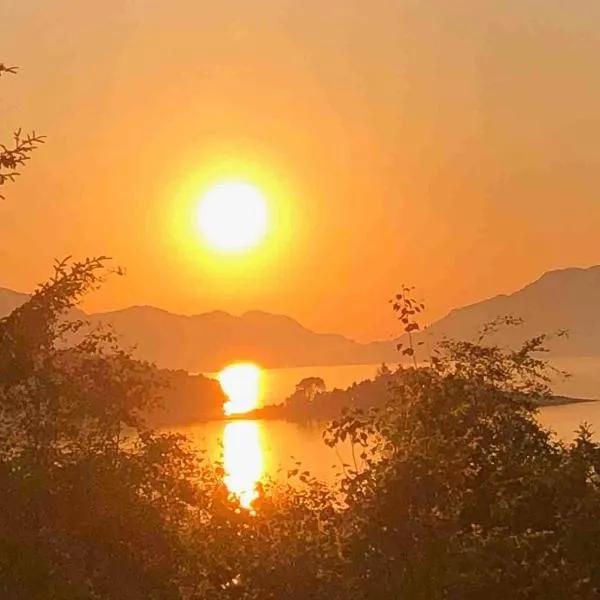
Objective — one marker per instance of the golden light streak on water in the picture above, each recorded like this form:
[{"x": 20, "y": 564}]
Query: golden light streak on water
[{"x": 243, "y": 459}]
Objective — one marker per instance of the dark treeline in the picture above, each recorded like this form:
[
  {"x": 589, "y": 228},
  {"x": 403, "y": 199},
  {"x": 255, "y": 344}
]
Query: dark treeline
[
  {"x": 186, "y": 399},
  {"x": 312, "y": 402}
]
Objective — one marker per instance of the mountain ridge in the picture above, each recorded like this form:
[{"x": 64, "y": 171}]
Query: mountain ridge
[
  {"x": 560, "y": 299},
  {"x": 567, "y": 298}
]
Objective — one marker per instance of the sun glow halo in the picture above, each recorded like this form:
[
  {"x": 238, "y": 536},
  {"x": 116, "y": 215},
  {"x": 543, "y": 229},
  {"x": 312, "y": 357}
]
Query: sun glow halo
[{"x": 233, "y": 216}]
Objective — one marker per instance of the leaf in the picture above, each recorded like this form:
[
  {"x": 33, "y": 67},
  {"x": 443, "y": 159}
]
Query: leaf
[{"x": 408, "y": 352}]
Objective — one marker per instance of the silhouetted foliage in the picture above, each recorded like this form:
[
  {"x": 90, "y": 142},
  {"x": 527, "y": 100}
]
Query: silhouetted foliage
[
  {"x": 186, "y": 399},
  {"x": 82, "y": 499},
  {"x": 407, "y": 309},
  {"x": 464, "y": 494},
  {"x": 14, "y": 155}
]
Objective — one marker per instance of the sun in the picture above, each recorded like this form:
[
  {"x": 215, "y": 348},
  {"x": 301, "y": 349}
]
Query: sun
[{"x": 233, "y": 216}]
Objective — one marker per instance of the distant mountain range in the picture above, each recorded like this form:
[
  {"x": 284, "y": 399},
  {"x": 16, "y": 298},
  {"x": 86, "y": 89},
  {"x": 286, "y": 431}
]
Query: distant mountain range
[{"x": 563, "y": 299}]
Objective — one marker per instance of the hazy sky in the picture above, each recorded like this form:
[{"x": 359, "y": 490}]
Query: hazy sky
[{"x": 454, "y": 146}]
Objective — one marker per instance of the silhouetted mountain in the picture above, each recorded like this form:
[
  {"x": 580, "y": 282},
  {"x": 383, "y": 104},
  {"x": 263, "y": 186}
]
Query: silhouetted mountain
[
  {"x": 563, "y": 299},
  {"x": 9, "y": 300},
  {"x": 209, "y": 341}
]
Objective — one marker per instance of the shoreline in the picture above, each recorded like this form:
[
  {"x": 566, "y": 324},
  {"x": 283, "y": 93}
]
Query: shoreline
[{"x": 257, "y": 414}]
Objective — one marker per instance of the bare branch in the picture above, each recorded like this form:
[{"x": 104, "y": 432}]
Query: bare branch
[{"x": 5, "y": 69}]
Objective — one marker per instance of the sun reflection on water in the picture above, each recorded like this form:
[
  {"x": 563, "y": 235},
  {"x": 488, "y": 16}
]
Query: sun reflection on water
[
  {"x": 243, "y": 459},
  {"x": 242, "y": 383}
]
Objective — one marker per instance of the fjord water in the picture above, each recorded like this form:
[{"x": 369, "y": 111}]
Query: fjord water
[{"x": 253, "y": 450}]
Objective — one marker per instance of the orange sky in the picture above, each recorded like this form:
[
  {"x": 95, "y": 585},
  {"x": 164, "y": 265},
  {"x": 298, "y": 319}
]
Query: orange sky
[{"x": 450, "y": 145}]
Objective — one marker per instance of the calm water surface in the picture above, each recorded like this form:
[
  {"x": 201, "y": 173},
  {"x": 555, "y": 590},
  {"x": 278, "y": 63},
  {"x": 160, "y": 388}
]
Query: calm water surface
[
  {"x": 266, "y": 447},
  {"x": 253, "y": 450},
  {"x": 278, "y": 384}
]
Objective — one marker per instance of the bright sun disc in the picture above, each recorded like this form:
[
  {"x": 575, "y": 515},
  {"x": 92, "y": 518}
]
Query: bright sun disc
[{"x": 233, "y": 216}]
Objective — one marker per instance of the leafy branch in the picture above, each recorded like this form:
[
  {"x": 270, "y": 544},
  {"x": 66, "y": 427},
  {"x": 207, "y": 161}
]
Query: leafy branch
[
  {"x": 14, "y": 156},
  {"x": 406, "y": 307}
]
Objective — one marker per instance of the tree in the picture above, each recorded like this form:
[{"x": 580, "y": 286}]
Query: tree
[
  {"x": 466, "y": 495},
  {"x": 407, "y": 309},
  {"x": 309, "y": 387},
  {"x": 301, "y": 400},
  {"x": 14, "y": 156},
  {"x": 92, "y": 502}
]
